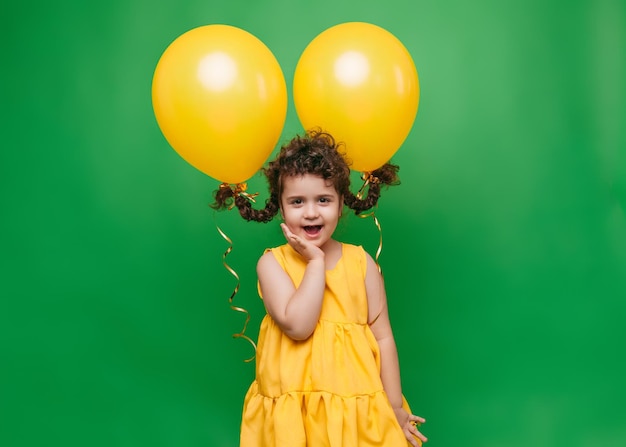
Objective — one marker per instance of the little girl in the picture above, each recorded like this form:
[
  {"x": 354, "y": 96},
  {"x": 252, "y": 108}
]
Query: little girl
[{"x": 327, "y": 370}]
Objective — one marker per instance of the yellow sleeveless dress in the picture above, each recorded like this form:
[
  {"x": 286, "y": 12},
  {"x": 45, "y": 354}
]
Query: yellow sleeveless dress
[{"x": 324, "y": 391}]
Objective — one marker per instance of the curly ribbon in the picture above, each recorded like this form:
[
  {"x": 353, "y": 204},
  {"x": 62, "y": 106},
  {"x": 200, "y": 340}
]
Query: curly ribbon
[
  {"x": 368, "y": 178},
  {"x": 241, "y": 334},
  {"x": 239, "y": 190},
  {"x": 372, "y": 214}
]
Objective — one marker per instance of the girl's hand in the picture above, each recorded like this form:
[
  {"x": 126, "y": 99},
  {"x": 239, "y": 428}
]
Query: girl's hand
[
  {"x": 409, "y": 424},
  {"x": 306, "y": 249}
]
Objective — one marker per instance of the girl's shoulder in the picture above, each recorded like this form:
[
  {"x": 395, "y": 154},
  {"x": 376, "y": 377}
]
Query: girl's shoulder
[
  {"x": 283, "y": 254},
  {"x": 354, "y": 254},
  {"x": 277, "y": 249},
  {"x": 351, "y": 249}
]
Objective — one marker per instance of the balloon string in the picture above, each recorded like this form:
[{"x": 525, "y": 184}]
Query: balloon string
[
  {"x": 241, "y": 334},
  {"x": 372, "y": 214},
  {"x": 368, "y": 179}
]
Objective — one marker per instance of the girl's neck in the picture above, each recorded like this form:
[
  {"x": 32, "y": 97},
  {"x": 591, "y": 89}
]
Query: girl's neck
[{"x": 332, "y": 253}]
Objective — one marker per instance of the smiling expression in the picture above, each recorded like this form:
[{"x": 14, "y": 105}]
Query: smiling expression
[{"x": 311, "y": 207}]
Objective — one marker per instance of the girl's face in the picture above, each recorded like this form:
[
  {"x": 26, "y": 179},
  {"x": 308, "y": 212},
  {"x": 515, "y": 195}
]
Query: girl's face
[{"x": 311, "y": 208}]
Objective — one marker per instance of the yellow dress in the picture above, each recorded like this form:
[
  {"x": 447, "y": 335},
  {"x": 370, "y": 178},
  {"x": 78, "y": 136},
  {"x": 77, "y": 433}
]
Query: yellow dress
[{"x": 324, "y": 391}]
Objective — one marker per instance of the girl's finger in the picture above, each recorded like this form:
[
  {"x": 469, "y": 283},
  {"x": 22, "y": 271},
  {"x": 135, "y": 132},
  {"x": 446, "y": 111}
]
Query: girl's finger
[
  {"x": 415, "y": 418},
  {"x": 421, "y": 436},
  {"x": 412, "y": 428},
  {"x": 411, "y": 439},
  {"x": 288, "y": 234}
]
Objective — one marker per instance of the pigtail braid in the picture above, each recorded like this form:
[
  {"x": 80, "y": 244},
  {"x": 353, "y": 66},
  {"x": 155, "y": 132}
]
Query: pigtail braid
[
  {"x": 385, "y": 175},
  {"x": 263, "y": 215},
  {"x": 230, "y": 196}
]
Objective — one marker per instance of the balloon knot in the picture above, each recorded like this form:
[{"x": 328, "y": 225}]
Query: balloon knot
[
  {"x": 368, "y": 178},
  {"x": 239, "y": 190}
]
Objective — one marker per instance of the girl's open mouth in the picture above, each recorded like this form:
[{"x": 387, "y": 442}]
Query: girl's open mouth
[{"x": 312, "y": 230}]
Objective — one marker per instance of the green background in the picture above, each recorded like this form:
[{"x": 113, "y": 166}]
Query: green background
[{"x": 504, "y": 247}]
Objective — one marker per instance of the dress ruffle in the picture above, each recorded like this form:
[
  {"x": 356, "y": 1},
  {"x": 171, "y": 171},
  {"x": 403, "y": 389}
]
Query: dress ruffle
[{"x": 319, "y": 419}]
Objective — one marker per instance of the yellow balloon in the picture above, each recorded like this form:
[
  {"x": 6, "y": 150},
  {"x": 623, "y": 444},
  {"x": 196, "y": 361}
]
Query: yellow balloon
[
  {"x": 358, "y": 82},
  {"x": 220, "y": 99}
]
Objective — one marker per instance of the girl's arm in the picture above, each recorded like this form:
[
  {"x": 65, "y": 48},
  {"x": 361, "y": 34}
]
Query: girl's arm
[
  {"x": 295, "y": 310},
  {"x": 390, "y": 368}
]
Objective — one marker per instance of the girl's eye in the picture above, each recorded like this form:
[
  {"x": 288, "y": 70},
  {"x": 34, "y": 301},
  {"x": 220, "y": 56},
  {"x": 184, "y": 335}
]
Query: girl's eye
[
  {"x": 297, "y": 201},
  {"x": 324, "y": 200}
]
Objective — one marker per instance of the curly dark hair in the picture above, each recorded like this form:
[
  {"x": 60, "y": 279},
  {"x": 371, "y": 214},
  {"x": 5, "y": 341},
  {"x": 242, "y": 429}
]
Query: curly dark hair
[{"x": 314, "y": 153}]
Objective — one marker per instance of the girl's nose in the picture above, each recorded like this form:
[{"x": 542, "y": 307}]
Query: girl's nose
[{"x": 310, "y": 211}]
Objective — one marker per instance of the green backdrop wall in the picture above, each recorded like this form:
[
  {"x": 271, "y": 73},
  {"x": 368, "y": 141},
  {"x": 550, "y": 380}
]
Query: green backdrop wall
[{"x": 504, "y": 247}]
